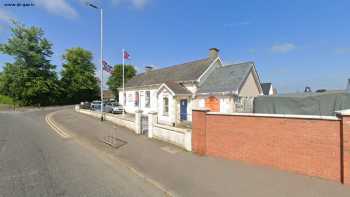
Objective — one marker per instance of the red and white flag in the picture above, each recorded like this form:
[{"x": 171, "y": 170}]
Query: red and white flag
[{"x": 126, "y": 55}]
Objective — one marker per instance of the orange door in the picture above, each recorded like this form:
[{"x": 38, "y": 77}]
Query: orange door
[{"x": 212, "y": 103}]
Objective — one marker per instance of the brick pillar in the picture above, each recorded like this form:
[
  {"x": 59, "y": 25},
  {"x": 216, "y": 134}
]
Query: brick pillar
[
  {"x": 346, "y": 148},
  {"x": 199, "y": 141}
]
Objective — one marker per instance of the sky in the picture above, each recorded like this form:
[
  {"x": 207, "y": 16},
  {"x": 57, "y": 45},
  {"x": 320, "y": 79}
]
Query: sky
[{"x": 293, "y": 43}]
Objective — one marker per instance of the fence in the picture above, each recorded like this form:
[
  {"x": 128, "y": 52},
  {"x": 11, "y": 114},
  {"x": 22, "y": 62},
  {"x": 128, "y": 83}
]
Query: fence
[
  {"x": 244, "y": 104},
  {"x": 310, "y": 145}
]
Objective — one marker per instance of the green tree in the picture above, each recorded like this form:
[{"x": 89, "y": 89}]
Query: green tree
[
  {"x": 31, "y": 78},
  {"x": 78, "y": 76},
  {"x": 116, "y": 79}
]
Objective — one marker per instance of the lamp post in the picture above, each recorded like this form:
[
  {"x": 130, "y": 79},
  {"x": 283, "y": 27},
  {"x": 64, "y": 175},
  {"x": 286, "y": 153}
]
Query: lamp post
[{"x": 101, "y": 49}]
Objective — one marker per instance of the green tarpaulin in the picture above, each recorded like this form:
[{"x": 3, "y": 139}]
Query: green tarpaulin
[{"x": 323, "y": 104}]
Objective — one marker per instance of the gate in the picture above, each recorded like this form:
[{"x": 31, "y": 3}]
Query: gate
[
  {"x": 144, "y": 125},
  {"x": 244, "y": 104}
]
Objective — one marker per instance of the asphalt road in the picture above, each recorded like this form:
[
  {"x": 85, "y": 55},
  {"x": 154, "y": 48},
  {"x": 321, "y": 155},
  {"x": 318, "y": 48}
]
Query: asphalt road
[{"x": 35, "y": 161}]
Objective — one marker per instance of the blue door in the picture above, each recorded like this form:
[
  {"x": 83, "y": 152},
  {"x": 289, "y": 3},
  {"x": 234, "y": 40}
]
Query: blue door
[{"x": 183, "y": 109}]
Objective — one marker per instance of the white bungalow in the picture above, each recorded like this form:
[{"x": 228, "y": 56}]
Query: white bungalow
[{"x": 173, "y": 91}]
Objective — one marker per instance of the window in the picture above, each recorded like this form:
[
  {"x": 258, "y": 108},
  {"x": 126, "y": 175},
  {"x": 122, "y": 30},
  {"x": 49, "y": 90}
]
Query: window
[
  {"x": 130, "y": 95},
  {"x": 148, "y": 98},
  {"x": 136, "y": 99},
  {"x": 165, "y": 106}
]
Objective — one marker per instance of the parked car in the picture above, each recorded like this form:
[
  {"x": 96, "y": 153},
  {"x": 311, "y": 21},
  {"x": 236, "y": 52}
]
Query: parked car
[
  {"x": 85, "y": 105},
  {"x": 107, "y": 107},
  {"x": 95, "y": 105},
  {"x": 117, "y": 108}
]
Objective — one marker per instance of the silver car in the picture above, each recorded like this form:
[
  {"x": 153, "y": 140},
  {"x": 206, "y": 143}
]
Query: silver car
[
  {"x": 95, "y": 105},
  {"x": 117, "y": 108}
]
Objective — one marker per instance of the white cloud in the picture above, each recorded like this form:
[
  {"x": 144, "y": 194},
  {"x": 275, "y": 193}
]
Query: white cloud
[
  {"x": 5, "y": 16},
  {"x": 5, "y": 19},
  {"x": 283, "y": 48},
  {"x": 59, "y": 7},
  {"x": 140, "y": 4}
]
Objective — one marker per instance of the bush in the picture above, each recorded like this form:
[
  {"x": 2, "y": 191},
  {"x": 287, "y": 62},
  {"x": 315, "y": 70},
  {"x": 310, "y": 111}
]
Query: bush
[{"x": 6, "y": 100}]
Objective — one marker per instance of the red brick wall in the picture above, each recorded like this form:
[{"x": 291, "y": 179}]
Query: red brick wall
[
  {"x": 346, "y": 149},
  {"x": 198, "y": 132},
  {"x": 306, "y": 146}
]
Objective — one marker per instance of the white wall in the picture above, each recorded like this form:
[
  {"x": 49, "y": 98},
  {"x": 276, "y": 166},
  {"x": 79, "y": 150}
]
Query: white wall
[
  {"x": 157, "y": 103},
  {"x": 188, "y": 110},
  {"x": 271, "y": 90},
  {"x": 171, "y": 117},
  {"x": 113, "y": 118},
  {"x": 176, "y": 136},
  {"x": 130, "y": 100},
  {"x": 191, "y": 87},
  {"x": 250, "y": 87},
  {"x": 226, "y": 103}
]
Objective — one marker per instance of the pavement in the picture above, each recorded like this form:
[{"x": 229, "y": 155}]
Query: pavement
[
  {"x": 181, "y": 173},
  {"x": 36, "y": 161}
]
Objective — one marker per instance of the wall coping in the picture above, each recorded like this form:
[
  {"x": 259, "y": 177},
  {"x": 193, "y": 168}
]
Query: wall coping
[
  {"x": 278, "y": 115},
  {"x": 106, "y": 114},
  {"x": 138, "y": 111},
  {"x": 201, "y": 109},
  {"x": 179, "y": 130},
  {"x": 345, "y": 112},
  {"x": 119, "y": 117},
  {"x": 152, "y": 112}
]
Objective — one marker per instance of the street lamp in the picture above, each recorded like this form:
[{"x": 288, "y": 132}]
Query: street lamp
[{"x": 101, "y": 49}]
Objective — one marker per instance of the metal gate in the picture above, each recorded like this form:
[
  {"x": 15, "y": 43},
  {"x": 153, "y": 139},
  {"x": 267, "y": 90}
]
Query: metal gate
[
  {"x": 144, "y": 125},
  {"x": 244, "y": 104}
]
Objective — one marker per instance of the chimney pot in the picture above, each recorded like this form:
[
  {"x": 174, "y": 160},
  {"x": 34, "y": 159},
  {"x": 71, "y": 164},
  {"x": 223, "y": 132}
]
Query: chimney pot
[
  {"x": 148, "y": 68},
  {"x": 213, "y": 53}
]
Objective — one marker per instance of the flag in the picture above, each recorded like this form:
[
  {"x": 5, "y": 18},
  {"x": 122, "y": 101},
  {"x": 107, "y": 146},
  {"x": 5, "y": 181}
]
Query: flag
[
  {"x": 107, "y": 67},
  {"x": 126, "y": 55}
]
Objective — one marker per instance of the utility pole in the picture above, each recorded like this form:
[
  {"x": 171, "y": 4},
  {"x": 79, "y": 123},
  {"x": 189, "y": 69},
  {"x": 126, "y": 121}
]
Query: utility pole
[
  {"x": 123, "y": 51},
  {"x": 101, "y": 51}
]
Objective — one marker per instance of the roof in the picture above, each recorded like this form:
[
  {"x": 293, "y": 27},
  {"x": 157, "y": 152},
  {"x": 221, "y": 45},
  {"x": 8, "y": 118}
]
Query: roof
[
  {"x": 306, "y": 94},
  {"x": 266, "y": 88},
  {"x": 226, "y": 78},
  {"x": 182, "y": 72},
  {"x": 177, "y": 88}
]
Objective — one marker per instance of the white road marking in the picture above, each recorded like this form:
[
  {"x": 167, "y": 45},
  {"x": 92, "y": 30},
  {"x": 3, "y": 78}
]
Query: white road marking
[{"x": 53, "y": 125}]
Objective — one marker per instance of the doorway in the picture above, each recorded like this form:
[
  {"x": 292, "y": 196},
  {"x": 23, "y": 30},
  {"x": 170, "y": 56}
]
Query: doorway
[{"x": 183, "y": 109}]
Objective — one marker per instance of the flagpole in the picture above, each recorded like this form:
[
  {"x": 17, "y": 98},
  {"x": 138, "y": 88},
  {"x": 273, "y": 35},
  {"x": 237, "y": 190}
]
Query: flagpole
[
  {"x": 124, "y": 102},
  {"x": 101, "y": 11}
]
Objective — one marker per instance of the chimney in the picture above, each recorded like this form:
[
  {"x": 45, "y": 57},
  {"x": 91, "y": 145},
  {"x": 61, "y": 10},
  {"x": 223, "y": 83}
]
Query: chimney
[
  {"x": 148, "y": 68},
  {"x": 348, "y": 86},
  {"x": 213, "y": 53}
]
